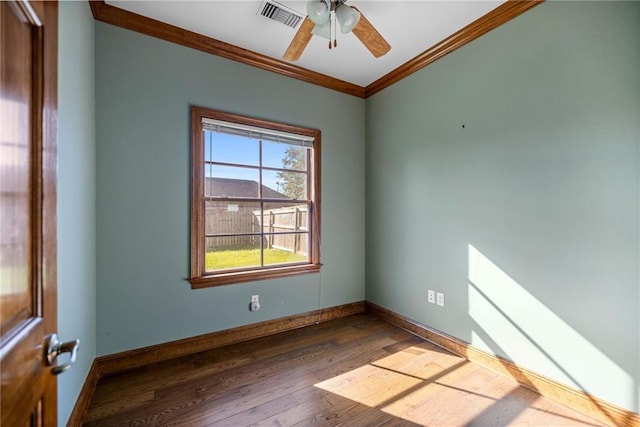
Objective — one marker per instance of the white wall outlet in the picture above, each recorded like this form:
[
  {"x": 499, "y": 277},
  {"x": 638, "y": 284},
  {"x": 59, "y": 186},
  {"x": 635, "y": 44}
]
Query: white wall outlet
[
  {"x": 440, "y": 299},
  {"x": 431, "y": 296},
  {"x": 255, "y": 303}
]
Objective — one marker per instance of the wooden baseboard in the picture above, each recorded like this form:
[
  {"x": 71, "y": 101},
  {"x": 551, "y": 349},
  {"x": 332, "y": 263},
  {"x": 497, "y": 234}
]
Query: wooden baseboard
[
  {"x": 84, "y": 398},
  {"x": 570, "y": 397},
  {"x": 126, "y": 360}
]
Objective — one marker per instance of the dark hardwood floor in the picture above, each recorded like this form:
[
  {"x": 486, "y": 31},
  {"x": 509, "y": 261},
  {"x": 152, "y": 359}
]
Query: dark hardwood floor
[{"x": 355, "y": 371}]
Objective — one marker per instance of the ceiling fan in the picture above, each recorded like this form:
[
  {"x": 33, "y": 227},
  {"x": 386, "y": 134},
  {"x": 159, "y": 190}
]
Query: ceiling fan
[{"x": 323, "y": 18}]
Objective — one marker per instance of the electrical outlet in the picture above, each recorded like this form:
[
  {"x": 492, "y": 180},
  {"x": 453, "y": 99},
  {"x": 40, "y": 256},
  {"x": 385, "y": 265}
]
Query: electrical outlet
[
  {"x": 440, "y": 299},
  {"x": 431, "y": 296},
  {"x": 254, "y": 305}
]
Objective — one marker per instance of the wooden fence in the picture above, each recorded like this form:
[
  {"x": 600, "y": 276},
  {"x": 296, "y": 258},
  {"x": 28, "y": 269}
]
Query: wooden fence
[
  {"x": 244, "y": 221},
  {"x": 290, "y": 219}
]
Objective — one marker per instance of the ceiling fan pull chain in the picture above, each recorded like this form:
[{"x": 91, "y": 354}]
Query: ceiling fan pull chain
[
  {"x": 333, "y": 28},
  {"x": 330, "y": 28}
]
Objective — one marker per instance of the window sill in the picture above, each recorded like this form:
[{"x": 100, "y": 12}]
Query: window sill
[{"x": 228, "y": 278}]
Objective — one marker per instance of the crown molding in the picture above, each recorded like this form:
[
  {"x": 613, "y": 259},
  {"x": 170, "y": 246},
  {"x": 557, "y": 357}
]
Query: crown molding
[
  {"x": 495, "y": 18},
  {"x": 132, "y": 21}
]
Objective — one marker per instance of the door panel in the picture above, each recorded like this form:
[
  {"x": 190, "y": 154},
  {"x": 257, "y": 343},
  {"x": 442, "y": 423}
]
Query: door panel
[
  {"x": 28, "y": 79},
  {"x": 15, "y": 183},
  {"x": 22, "y": 375}
]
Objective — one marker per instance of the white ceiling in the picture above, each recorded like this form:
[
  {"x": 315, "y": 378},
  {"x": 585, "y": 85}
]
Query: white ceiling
[{"x": 410, "y": 27}]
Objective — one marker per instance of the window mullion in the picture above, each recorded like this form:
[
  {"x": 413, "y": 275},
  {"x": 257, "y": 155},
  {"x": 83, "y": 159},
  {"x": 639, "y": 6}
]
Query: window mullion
[
  {"x": 261, "y": 206},
  {"x": 213, "y": 162},
  {"x": 309, "y": 177},
  {"x": 262, "y": 235}
]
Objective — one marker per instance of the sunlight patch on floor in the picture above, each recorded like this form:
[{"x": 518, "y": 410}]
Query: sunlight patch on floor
[
  {"x": 419, "y": 385},
  {"x": 369, "y": 385},
  {"x": 426, "y": 385}
]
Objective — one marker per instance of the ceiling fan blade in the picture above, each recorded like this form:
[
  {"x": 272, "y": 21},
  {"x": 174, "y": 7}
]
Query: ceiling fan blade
[
  {"x": 300, "y": 41},
  {"x": 370, "y": 37}
]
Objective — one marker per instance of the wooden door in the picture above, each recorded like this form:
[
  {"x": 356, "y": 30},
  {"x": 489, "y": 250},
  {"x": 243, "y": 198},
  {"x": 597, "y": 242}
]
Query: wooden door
[{"x": 28, "y": 82}]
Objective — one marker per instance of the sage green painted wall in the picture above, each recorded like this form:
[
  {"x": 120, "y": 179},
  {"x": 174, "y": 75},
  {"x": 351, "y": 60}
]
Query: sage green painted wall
[
  {"x": 144, "y": 88},
  {"x": 506, "y": 176},
  {"x": 76, "y": 196}
]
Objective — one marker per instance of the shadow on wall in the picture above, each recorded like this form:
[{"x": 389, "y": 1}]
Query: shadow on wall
[{"x": 509, "y": 321}]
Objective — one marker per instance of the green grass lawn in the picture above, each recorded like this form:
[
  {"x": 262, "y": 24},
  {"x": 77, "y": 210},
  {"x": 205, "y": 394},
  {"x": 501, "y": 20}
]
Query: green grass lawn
[{"x": 219, "y": 260}]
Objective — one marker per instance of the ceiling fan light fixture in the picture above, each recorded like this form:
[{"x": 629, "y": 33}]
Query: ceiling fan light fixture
[
  {"x": 319, "y": 11},
  {"x": 323, "y": 18},
  {"x": 347, "y": 17},
  {"x": 323, "y": 30}
]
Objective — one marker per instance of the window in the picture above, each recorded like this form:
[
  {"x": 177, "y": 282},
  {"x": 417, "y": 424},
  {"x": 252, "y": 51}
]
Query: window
[{"x": 255, "y": 199}]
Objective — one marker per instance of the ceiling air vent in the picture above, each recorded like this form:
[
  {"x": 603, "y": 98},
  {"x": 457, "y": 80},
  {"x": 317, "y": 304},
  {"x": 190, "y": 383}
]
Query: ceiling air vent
[{"x": 281, "y": 13}]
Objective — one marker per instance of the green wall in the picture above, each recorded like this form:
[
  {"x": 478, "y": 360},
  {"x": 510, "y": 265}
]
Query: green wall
[
  {"x": 144, "y": 88},
  {"x": 506, "y": 176},
  {"x": 527, "y": 218},
  {"x": 76, "y": 196}
]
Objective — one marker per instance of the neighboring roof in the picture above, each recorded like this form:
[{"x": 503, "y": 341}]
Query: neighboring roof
[{"x": 229, "y": 187}]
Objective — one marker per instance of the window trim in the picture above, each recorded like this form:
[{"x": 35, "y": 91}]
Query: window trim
[{"x": 199, "y": 278}]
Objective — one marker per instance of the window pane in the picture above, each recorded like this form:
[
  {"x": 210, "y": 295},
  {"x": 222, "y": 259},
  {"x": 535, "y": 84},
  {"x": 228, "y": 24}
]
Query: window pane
[
  {"x": 233, "y": 218},
  {"x": 286, "y": 248},
  {"x": 231, "y": 252},
  {"x": 284, "y": 156},
  {"x": 290, "y": 185},
  {"x": 288, "y": 216},
  {"x": 285, "y": 217},
  {"x": 231, "y": 181},
  {"x": 225, "y": 148},
  {"x": 272, "y": 185}
]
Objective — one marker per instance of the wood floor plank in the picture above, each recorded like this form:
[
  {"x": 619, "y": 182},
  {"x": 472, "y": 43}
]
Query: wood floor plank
[
  {"x": 312, "y": 402},
  {"x": 370, "y": 385},
  {"x": 355, "y": 371},
  {"x": 171, "y": 372},
  {"x": 256, "y": 413},
  {"x": 325, "y": 410},
  {"x": 420, "y": 361},
  {"x": 374, "y": 417},
  {"x": 118, "y": 403}
]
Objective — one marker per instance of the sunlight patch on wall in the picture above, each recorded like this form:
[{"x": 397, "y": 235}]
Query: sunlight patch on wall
[{"x": 513, "y": 322}]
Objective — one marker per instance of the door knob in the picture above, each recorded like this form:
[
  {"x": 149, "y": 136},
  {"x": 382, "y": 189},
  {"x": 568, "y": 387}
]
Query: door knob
[{"x": 55, "y": 348}]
